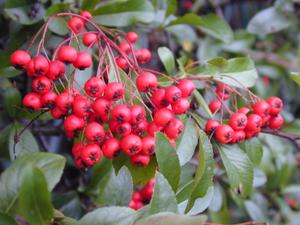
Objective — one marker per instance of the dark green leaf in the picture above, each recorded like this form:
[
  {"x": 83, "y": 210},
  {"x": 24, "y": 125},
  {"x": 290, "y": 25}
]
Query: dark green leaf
[
  {"x": 34, "y": 198},
  {"x": 15, "y": 3},
  {"x": 163, "y": 199},
  {"x": 8, "y": 72},
  {"x": 12, "y": 100},
  {"x": 254, "y": 149},
  {"x": 167, "y": 58},
  {"x": 172, "y": 8},
  {"x": 190, "y": 18},
  {"x": 167, "y": 160},
  {"x": 20, "y": 14},
  {"x": 4, "y": 136},
  {"x": 89, "y": 4},
  {"x": 58, "y": 25},
  {"x": 7, "y": 220}
]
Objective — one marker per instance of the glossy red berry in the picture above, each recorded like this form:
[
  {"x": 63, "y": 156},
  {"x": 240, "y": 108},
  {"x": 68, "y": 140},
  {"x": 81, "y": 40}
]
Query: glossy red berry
[
  {"x": 244, "y": 110},
  {"x": 64, "y": 101},
  {"x": 254, "y": 122},
  {"x": 56, "y": 70},
  {"x": 137, "y": 113},
  {"x": 144, "y": 55},
  {"x": 146, "y": 81},
  {"x": 88, "y": 39},
  {"x": 122, "y": 63},
  {"x": 238, "y": 121},
  {"x": 125, "y": 47},
  {"x": 276, "y": 122},
  {"x": 83, "y": 60},
  {"x": 67, "y": 54},
  {"x": 261, "y": 108},
  {"x": 186, "y": 86},
  {"x": 148, "y": 143},
  {"x": 38, "y": 66},
  {"x": 223, "y": 91},
  {"x": 114, "y": 91},
  {"x": 140, "y": 160},
  {"x": 111, "y": 148},
  {"x": 81, "y": 106},
  {"x": 163, "y": 117},
  {"x": 276, "y": 105},
  {"x": 132, "y": 37},
  {"x": 91, "y": 154},
  {"x": 211, "y": 126},
  {"x": 41, "y": 85},
  {"x": 57, "y": 113},
  {"x": 147, "y": 191},
  {"x": 123, "y": 129},
  {"x": 121, "y": 113},
  {"x": 173, "y": 94},
  {"x": 131, "y": 144},
  {"x": 181, "y": 106},
  {"x": 75, "y": 24},
  {"x": 94, "y": 87},
  {"x": 77, "y": 148},
  {"x": 153, "y": 128},
  {"x": 94, "y": 132},
  {"x": 224, "y": 133},
  {"x": 101, "y": 107},
  {"x": 215, "y": 106},
  {"x": 238, "y": 137},
  {"x": 48, "y": 99},
  {"x": 32, "y": 100},
  {"x": 174, "y": 128},
  {"x": 73, "y": 125},
  {"x": 19, "y": 59},
  {"x": 136, "y": 205},
  {"x": 158, "y": 99},
  {"x": 86, "y": 15}
]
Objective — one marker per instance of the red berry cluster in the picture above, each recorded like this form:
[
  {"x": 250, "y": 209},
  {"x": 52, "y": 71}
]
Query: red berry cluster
[
  {"x": 246, "y": 122},
  {"x": 99, "y": 113},
  {"x": 142, "y": 196}
]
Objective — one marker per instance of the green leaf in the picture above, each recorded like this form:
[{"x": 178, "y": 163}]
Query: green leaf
[
  {"x": 269, "y": 20},
  {"x": 174, "y": 219},
  {"x": 167, "y": 160},
  {"x": 8, "y": 72},
  {"x": 109, "y": 216},
  {"x": 254, "y": 149},
  {"x": 124, "y": 13},
  {"x": 89, "y": 4},
  {"x": 188, "y": 142},
  {"x": 7, "y": 220},
  {"x": 35, "y": 200},
  {"x": 189, "y": 18},
  {"x": 10, "y": 181},
  {"x": 167, "y": 58},
  {"x": 26, "y": 143},
  {"x": 295, "y": 76},
  {"x": 12, "y": 100},
  {"x": 172, "y": 8},
  {"x": 254, "y": 211},
  {"x": 58, "y": 25},
  {"x": 163, "y": 199},
  {"x": 201, "y": 101},
  {"x": 116, "y": 189},
  {"x": 238, "y": 167}
]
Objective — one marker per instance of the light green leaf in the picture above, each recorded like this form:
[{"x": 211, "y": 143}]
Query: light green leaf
[
  {"x": 35, "y": 200},
  {"x": 172, "y": 7},
  {"x": 167, "y": 58},
  {"x": 254, "y": 149},
  {"x": 89, "y": 4},
  {"x": 167, "y": 160},
  {"x": 254, "y": 211},
  {"x": 239, "y": 169},
  {"x": 201, "y": 101},
  {"x": 295, "y": 76}
]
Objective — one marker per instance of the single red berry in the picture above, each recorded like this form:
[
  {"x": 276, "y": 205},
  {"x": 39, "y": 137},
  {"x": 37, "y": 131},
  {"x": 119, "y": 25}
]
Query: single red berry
[
  {"x": 136, "y": 205},
  {"x": 75, "y": 24},
  {"x": 147, "y": 191},
  {"x": 64, "y": 101},
  {"x": 276, "y": 122},
  {"x": 56, "y": 70},
  {"x": 101, "y": 107},
  {"x": 148, "y": 143},
  {"x": 57, "y": 113},
  {"x": 143, "y": 55},
  {"x": 121, "y": 113},
  {"x": 153, "y": 128},
  {"x": 73, "y": 125},
  {"x": 48, "y": 99},
  {"x": 238, "y": 137},
  {"x": 38, "y": 66},
  {"x": 265, "y": 121},
  {"x": 111, "y": 148},
  {"x": 186, "y": 86},
  {"x": 261, "y": 108},
  {"x": 67, "y": 54},
  {"x": 132, "y": 37},
  {"x": 41, "y": 85},
  {"x": 254, "y": 122},
  {"x": 122, "y": 63},
  {"x": 158, "y": 98},
  {"x": 19, "y": 59},
  {"x": 89, "y": 38},
  {"x": 163, "y": 117},
  {"x": 181, "y": 106},
  {"x": 77, "y": 148},
  {"x": 81, "y": 106},
  {"x": 238, "y": 121},
  {"x": 123, "y": 129},
  {"x": 174, "y": 128},
  {"x": 173, "y": 94},
  {"x": 223, "y": 91},
  {"x": 125, "y": 47},
  {"x": 211, "y": 126},
  {"x": 140, "y": 160},
  {"x": 114, "y": 91},
  {"x": 91, "y": 154},
  {"x": 131, "y": 144},
  {"x": 139, "y": 128},
  {"x": 136, "y": 196},
  {"x": 215, "y": 106},
  {"x": 94, "y": 132},
  {"x": 83, "y": 60},
  {"x": 32, "y": 100},
  {"x": 244, "y": 110},
  {"x": 86, "y": 14},
  {"x": 94, "y": 87},
  {"x": 137, "y": 113},
  {"x": 146, "y": 81},
  {"x": 224, "y": 133},
  {"x": 276, "y": 105}
]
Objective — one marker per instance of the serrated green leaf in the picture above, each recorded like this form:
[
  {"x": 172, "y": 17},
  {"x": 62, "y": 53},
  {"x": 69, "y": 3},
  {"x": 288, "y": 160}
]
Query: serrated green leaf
[{"x": 167, "y": 58}]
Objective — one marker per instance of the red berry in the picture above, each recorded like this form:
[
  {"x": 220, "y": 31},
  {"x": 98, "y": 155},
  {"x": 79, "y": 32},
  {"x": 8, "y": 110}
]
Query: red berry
[
  {"x": 73, "y": 125},
  {"x": 136, "y": 205},
  {"x": 19, "y": 59},
  {"x": 91, "y": 154},
  {"x": 77, "y": 148},
  {"x": 244, "y": 110},
  {"x": 94, "y": 87},
  {"x": 86, "y": 15},
  {"x": 158, "y": 98},
  {"x": 111, "y": 148},
  {"x": 56, "y": 70},
  {"x": 163, "y": 117},
  {"x": 172, "y": 94},
  {"x": 261, "y": 108},
  {"x": 125, "y": 47},
  {"x": 224, "y": 133},
  {"x": 215, "y": 106},
  {"x": 101, "y": 107},
  {"x": 148, "y": 143},
  {"x": 186, "y": 86},
  {"x": 276, "y": 105},
  {"x": 211, "y": 126},
  {"x": 123, "y": 129},
  {"x": 147, "y": 191},
  {"x": 79, "y": 163},
  {"x": 76, "y": 24},
  {"x": 57, "y": 113},
  {"x": 81, "y": 106},
  {"x": 131, "y": 144},
  {"x": 88, "y": 39},
  {"x": 32, "y": 100},
  {"x": 114, "y": 91},
  {"x": 67, "y": 54},
  {"x": 48, "y": 99},
  {"x": 181, "y": 106},
  {"x": 139, "y": 128},
  {"x": 140, "y": 160},
  {"x": 64, "y": 101},
  {"x": 132, "y": 37},
  {"x": 223, "y": 91},
  {"x": 137, "y": 113},
  {"x": 121, "y": 113},
  {"x": 38, "y": 66},
  {"x": 238, "y": 137},
  {"x": 251, "y": 133},
  {"x": 83, "y": 60},
  {"x": 174, "y": 128},
  {"x": 153, "y": 128},
  {"x": 143, "y": 55},
  {"x": 94, "y": 132},
  {"x": 41, "y": 85},
  {"x": 238, "y": 121},
  {"x": 122, "y": 63},
  {"x": 276, "y": 122},
  {"x": 146, "y": 81},
  {"x": 254, "y": 122}
]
